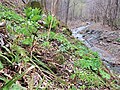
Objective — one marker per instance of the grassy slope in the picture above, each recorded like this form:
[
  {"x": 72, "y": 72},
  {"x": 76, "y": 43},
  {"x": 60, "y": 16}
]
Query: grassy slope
[{"x": 29, "y": 61}]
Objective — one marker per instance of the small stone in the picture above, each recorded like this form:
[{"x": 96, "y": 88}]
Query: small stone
[
  {"x": 119, "y": 76},
  {"x": 92, "y": 31},
  {"x": 109, "y": 40},
  {"x": 87, "y": 31}
]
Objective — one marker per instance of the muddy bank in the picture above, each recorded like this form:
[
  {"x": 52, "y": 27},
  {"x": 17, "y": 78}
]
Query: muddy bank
[{"x": 106, "y": 43}]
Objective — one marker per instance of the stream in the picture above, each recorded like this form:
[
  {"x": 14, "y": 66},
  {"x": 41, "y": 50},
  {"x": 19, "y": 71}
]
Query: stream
[{"x": 107, "y": 58}]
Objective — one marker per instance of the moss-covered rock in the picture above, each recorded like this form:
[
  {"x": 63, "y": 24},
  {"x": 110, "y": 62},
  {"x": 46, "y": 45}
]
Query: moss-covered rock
[
  {"x": 34, "y": 4},
  {"x": 65, "y": 28},
  {"x": 59, "y": 58}
]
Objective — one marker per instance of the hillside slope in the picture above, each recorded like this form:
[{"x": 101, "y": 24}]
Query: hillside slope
[{"x": 38, "y": 53}]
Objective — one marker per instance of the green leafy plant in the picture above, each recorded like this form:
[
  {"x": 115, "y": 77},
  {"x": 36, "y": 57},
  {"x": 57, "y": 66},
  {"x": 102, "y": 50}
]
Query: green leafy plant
[
  {"x": 88, "y": 77},
  {"x": 3, "y": 55},
  {"x": 24, "y": 34},
  {"x": 11, "y": 15},
  {"x": 46, "y": 44},
  {"x": 27, "y": 41},
  {"x": 118, "y": 39},
  {"x": 33, "y": 14},
  {"x": 91, "y": 63},
  {"x": 16, "y": 87},
  {"x": 1, "y": 65},
  {"x": 50, "y": 20},
  {"x": 104, "y": 74}
]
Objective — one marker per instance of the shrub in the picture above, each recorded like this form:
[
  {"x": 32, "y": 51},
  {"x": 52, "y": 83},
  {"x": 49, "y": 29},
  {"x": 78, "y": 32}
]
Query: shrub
[
  {"x": 50, "y": 20},
  {"x": 33, "y": 14}
]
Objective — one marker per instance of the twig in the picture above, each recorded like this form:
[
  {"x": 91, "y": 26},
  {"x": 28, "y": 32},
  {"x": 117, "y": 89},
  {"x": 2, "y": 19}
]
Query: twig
[{"x": 50, "y": 28}]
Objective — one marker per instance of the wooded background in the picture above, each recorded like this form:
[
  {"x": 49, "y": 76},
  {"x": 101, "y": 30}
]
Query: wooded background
[{"x": 105, "y": 11}]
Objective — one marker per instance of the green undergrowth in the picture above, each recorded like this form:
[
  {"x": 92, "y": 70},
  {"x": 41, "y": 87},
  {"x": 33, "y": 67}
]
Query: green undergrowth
[
  {"x": 118, "y": 39},
  {"x": 29, "y": 53}
]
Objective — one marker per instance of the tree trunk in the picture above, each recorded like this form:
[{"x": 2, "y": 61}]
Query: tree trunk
[
  {"x": 67, "y": 12},
  {"x": 55, "y": 8}
]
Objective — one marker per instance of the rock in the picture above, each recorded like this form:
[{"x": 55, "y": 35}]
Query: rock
[
  {"x": 90, "y": 31},
  {"x": 109, "y": 40},
  {"x": 87, "y": 31},
  {"x": 101, "y": 38},
  {"x": 83, "y": 35},
  {"x": 59, "y": 58},
  {"x": 34, "y": 4},
  {"x": 82, "y": 32},
  {"x": 2, "y": 24},
  {"x": 88, "y": 23}
]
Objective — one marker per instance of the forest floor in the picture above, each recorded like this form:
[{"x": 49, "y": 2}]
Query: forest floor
[{"x": 34, "y": 56}]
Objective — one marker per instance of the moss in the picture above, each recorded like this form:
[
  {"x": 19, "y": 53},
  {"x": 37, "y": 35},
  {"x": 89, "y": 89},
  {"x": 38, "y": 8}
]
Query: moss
[
  {"x": 65, "y": 29},
  {"x": 118, "y": 39},
  {"x": 34, "y": 4},
  {"x": 52, "y": 67},
  {"x": 59, "y": 58}
]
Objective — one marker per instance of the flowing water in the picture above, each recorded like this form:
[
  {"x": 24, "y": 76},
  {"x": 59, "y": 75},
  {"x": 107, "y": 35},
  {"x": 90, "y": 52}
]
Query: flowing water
[{"x": 107, "y": 58}]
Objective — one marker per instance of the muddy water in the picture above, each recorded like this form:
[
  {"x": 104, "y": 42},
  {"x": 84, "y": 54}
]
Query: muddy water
[{"x": 107, "y": 58}]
